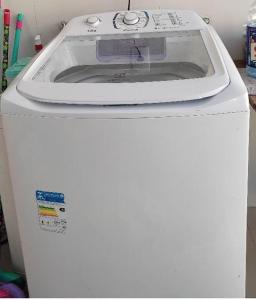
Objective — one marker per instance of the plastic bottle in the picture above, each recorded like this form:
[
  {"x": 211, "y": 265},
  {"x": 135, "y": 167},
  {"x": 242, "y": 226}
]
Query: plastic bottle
[
  {"x": 38, "y": 44},
  {"x": 251, "y": 41}
]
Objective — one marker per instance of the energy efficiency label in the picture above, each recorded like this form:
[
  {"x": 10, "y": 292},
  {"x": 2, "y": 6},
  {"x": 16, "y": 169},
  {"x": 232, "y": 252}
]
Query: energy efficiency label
[{"x": 51, "y": 211}]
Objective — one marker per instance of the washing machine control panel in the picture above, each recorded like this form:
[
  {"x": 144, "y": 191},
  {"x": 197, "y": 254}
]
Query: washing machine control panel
[
  {"x": 149, "y": 21},
  {"x": 131, "y": 20}
]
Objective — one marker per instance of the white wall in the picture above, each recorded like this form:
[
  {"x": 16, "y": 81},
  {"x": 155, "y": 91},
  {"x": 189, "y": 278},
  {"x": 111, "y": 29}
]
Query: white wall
[{"x": 44, "y": 16}]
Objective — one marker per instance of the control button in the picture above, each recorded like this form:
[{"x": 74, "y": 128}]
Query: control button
[
  {"x": 131, "y": 18},
  {"x": 93, "y": 21}
]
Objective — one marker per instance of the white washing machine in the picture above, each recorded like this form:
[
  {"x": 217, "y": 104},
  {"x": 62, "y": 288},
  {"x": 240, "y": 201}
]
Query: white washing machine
[
  {"x": 9, "y": 208},
  {"x": 128, "y": 149}
]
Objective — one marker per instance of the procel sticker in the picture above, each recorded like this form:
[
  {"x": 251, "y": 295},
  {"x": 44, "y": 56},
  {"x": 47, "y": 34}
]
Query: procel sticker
[{"x": 51, "y": 211}]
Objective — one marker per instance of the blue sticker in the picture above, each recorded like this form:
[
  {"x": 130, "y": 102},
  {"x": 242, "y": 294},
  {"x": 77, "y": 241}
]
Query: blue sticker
[{"x": 50, "y": 197}]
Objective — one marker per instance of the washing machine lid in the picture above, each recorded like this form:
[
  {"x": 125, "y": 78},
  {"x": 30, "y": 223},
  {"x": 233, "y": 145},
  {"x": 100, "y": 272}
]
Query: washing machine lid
[{"x": 127, "y": 68}]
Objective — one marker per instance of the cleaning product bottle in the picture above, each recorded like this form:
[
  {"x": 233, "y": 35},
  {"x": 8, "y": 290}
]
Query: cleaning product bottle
[
  {"x": 251, "y": 41},
  {"x": 38, "y": 43}
]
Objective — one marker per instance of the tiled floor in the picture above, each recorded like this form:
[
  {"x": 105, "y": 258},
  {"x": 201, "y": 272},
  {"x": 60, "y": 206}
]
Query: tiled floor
[{"x": 251, "y": 255}]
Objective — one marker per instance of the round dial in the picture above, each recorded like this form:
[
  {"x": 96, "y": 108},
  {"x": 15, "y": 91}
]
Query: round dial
[
  {"x": 93, "y": 21},
  {"x": 131, "y": 18}
]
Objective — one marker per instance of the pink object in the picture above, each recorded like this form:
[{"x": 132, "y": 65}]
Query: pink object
[
  {"x": 12, "y": 290},
  {"x": 4, "y": 294},
  {"x": 19, "y": 24},
  {"x": 7, "y": 17}
]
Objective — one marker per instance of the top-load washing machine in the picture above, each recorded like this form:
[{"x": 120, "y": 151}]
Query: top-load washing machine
[{"x": 127, "y": 141}]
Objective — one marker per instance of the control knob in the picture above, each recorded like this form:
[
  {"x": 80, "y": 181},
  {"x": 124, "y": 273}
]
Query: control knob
[
  {"x": 93, "y": 21},
  {"x": 131, "y": 18}
]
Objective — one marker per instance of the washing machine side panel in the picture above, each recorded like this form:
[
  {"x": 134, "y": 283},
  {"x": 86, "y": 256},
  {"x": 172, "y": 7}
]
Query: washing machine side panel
[
  {"x": 154, "y": 207},
  {"x": 9, "y": 208}
]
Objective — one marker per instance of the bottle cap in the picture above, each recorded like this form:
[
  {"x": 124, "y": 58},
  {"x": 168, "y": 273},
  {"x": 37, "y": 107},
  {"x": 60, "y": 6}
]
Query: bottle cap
[
  {"x": 7, "y": 17},
  {"x": 38, "y": 40}
]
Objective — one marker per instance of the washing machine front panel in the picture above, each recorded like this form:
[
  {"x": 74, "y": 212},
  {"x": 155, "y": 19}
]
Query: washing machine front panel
[{"x": 138, "y": 221}]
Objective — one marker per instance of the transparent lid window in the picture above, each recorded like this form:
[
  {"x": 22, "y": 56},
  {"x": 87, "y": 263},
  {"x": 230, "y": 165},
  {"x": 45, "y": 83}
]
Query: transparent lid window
[{"x": 115, "y": 59}]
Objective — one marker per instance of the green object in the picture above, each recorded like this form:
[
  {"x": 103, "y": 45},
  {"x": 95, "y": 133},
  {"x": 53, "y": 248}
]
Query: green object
[
  {"x": 15, "y": 69},
  {"x": 5, "y": 62},
  {"x": 10, "y": 277},
  {"x": 16, "y": 45}
]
